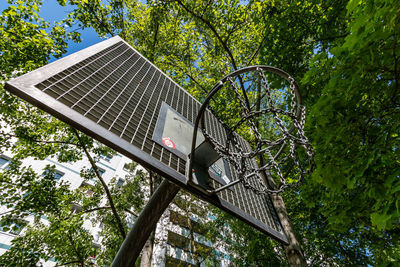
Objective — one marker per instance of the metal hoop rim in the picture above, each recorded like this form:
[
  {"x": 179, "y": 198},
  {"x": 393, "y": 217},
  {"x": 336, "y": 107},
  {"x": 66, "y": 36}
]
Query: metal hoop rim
[{"x": 220, "y": 84}]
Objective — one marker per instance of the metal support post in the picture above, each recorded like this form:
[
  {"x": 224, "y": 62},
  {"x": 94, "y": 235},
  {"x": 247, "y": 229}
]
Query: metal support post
[{"x": 145, "y": 223}]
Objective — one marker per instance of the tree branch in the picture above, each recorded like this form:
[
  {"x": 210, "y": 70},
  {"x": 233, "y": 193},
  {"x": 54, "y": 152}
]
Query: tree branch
[
  {"x": 222, "y": 42},
  {"x": 96, "y": 209},
  {"x": 348, "y": 258},
  {"x": 190, "y": 76},
  {"x": 40, "y": 141},
  {"x": 103, "y": 183},
  {"x": 71, "y": 240},
  {"x": 234, "y": 29},
  {"x": 257, "y": 50},
  {"x": 1, "y": 214},
  {"x": 331, "y": 38},
  {"x": 212, "y": 28},
  {"x": 71, "y": 262},
  {"x": 100, "y": 208},
  {"x": 99, "y": 20},
  {"x": 396, "y": 73},
  {"x": 156, "y": 28},
  {"x": 131, "y": 212},
  {"x": 122, "y": 19},
  {"x": 206, "y": 7},
  {"x": 108, "y": 207}
]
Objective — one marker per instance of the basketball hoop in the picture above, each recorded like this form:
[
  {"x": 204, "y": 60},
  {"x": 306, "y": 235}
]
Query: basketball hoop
[
  {"x": 265, "y": 110},
  {"x": 114, "y": 94}
]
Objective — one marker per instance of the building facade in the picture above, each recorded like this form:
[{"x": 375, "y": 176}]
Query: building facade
[{"x": 179, "y": 236}]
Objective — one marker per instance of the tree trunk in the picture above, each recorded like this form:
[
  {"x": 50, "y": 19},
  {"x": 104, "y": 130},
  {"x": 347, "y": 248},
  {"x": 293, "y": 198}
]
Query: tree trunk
[
  {"x": 147, "y": 252},
  {"x": 294, "y": 252},
  {"x": 192, "y": 241}
]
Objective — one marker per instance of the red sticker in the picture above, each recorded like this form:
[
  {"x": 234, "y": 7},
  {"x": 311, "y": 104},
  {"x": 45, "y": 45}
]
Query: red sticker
[{"x": 168, "y": 142}]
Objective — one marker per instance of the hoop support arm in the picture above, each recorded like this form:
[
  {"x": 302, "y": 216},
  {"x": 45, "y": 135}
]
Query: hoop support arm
[{"x": 223, "y": 187}]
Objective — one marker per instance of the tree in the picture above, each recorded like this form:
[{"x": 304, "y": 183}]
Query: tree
[
  {"x": 129, "y": 198},
  {"x": 193, "y": 214},
  {"x": 244, "y": 245},
  {"x": 206, "y": 36},
  {"x": 63, "y": 237},
  {"x": 345, "y": 53},
  {"x": 214, "y": 43},
  {"x": 304, "y": 39},
  {"x": 183, "y": 21},
  {"x": 354, "y": 122},
  {"x": 28, "y": 132}
]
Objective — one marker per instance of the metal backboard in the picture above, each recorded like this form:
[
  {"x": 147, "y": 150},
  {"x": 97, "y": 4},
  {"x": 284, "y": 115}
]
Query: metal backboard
[{"x": 114, "y": 94}]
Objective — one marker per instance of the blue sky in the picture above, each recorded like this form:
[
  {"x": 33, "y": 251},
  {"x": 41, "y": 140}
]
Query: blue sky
[{"x": 51, "y": 11}]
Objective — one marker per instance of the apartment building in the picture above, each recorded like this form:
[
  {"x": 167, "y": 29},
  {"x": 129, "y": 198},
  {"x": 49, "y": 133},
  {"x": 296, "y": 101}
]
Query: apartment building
[{"x": 178, "y": 232}]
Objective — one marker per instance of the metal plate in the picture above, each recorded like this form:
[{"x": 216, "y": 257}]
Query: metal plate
[
  {"x": 174, "y": 132},
  {"x": 112, "y": 93}
]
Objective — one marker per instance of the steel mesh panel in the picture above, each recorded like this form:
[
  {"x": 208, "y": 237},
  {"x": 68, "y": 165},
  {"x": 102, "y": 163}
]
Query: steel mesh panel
[{"x": 121, "y": 91}]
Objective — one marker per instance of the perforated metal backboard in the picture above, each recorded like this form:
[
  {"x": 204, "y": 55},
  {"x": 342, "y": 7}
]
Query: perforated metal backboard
[{"x": 112, "y": 93}]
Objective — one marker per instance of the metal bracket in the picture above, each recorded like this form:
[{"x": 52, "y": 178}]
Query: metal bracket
[
  {"x": 213, "y": 192},
  {"x": 201, "y": 159}
]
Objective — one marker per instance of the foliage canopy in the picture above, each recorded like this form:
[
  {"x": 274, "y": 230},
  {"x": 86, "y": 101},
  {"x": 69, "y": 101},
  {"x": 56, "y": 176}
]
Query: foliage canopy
[{"x": 346, "y": 55}]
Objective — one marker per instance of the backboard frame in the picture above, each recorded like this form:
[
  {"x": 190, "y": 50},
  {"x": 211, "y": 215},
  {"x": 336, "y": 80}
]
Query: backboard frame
[{"x": 24, "y": 87}]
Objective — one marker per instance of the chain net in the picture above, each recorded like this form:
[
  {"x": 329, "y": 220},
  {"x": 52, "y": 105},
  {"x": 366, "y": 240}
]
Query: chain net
[{"x": 271, "y": 122}]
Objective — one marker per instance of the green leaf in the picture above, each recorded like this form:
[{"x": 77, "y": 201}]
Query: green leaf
[{"x": 380, "y": 220}]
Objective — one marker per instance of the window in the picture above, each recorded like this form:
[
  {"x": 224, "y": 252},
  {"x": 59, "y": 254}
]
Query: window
[
  {"x": 129, "y": 167},
  {"x": 182, "y": 204},
  {"x": 4, "y": 162},
  {"x": 101, "y": 171},
  {"x": 126, "y": 167},
  {"x": 14, "y": 227},
  {"x": 184, "y": 243},
  {"x": 75, "y": 208},
  {"x": 172, "y": 262},
  {"x": 89, "y": 192},
  {"x": 87, "y": 188},
  {"x": 106, "y": 157},
  {"x": 178, "y": 241},
  {"x": 57, "y": 175},
  {"x": 120, "y": 182},
  {"x": 182, "y": 221}
]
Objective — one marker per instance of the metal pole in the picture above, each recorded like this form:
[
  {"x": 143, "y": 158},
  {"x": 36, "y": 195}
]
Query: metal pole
[{"x": 145, "y": 224}]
